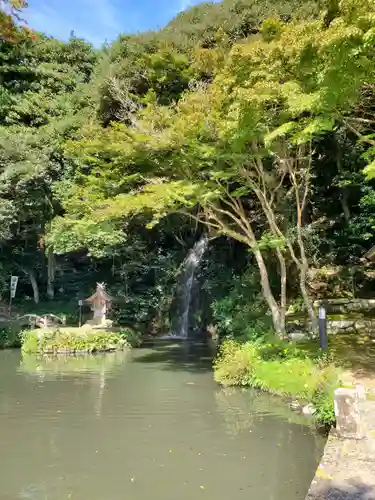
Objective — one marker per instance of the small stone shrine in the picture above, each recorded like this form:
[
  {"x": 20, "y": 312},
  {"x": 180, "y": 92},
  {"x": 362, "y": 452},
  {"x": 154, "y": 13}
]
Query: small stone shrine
[{"x": 100, "y": 303}]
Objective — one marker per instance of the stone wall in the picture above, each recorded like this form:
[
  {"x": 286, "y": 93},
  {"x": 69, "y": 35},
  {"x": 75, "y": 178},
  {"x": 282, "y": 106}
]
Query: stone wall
[
  {"x": 364, "y": 325},
  {"x": 347, "y": 305},
  {"x": 343, "y": 316},
  {"x": 347, "y": 467}
]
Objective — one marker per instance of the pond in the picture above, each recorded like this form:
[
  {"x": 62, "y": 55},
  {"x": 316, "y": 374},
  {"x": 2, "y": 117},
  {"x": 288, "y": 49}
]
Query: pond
[{"x": 151, "y": 424}]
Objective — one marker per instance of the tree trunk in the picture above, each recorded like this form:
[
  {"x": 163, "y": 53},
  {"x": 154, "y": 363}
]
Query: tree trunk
[
  {"x": 278, "y": 317},
  {"x": 34, "y": 284},
  {"x": 345, "y": 205},
  {"x": 307, "y": 300},
  {"x": 51, "y": 268},
  {"x": 344, "y": 191},
  {"x": 247, "y": 236},
  {"x": 283, "y": 276}
]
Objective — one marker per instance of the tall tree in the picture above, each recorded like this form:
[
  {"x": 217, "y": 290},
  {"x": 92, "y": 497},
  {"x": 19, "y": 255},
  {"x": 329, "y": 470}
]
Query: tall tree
[{"x": 238, "y": 156}]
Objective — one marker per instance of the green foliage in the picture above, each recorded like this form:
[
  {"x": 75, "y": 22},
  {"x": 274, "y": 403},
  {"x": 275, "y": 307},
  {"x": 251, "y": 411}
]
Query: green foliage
[
  {"x": 10, "y": 17},
  {"x": 241, "y": 313},
  {"x": 70, "y": 341},
  {"x": 63, "y": 309},
  {"x": 279, "y": 368},
  {"x": 96, "y": 146},
  {"x": 131, "y": 336},
  {"x": 208, "y": 23},
  {"x": 9, "y": 337}
]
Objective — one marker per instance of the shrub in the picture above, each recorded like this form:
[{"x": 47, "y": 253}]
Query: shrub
[
  {"x": 275, "y": 348},
  {"x": 133, "y": 337},
  {"x": 279, "y": 368},
  {"x": 9, "y": 337},
  {"x": 236, "y": 365},
  {"x": 242, "y": 313},
  {"x": 322, "y": 398},
  {"x": 71, "y": 340}
]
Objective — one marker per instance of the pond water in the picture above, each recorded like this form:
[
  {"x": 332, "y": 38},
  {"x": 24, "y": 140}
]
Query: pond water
[{"x": 150, "y": 424}]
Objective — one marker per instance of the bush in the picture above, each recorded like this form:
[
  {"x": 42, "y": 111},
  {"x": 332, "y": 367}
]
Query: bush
[
  {"x": 133, "y": 337},
  {"x": 274, "y": 348},
  {"x": 242, "y": 312},
  {"x": 9, "y": 337},
  {"x": 235, "y": 364},
  {"x": 279, "y": 368},
  {"x": 71, "y": 340}
]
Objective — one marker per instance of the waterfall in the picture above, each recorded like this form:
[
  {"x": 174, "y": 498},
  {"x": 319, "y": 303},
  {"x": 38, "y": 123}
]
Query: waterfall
[{"x": 190, "y": 265}]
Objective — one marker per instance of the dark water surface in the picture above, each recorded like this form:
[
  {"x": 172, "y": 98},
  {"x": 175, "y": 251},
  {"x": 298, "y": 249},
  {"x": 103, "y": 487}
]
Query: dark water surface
[{"x": 151, "y": 424}]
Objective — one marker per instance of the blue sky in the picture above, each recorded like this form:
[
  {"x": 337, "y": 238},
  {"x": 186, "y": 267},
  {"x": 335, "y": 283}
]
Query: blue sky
[{"x": 100, "y": 20}]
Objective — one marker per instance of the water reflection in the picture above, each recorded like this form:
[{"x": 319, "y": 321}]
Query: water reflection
[
  {"x": 243, "y": 409},
  {"x": 144, "y": 424},
  {"x": 61, "y": 366}
]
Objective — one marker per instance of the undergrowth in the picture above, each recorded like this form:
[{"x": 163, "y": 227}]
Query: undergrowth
[
  {"x": 281, "y": 368},
  {"x": 9, "y": 337},
  {"x": 71, "y": 340},
  {"x": 132, "y": 336}
]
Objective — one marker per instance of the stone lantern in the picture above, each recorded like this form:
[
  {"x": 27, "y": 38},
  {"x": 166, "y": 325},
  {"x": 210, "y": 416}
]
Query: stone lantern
[{"x": 100, "y": 303}]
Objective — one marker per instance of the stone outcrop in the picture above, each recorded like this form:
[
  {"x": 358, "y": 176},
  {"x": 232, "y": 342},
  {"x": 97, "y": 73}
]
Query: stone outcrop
[
  {"x": 346, "y": 305},
  {"x": 343, "y": 316},
  {"x": 348, "y": 417}
]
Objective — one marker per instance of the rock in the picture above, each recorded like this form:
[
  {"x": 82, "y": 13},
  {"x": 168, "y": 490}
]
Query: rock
[
  {"x": 295, "y": 405},
  {"x": 360, "y": 392},
  {"x": 298, "y": 336},
  {"x": 348, "y": 419},
  {"x": 341, "y": 326},
  {"x": 360, "y": 324},
  {"x": 308, "y": 410}
]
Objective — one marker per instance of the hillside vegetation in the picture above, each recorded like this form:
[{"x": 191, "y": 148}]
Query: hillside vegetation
[{"x": 252, "y": 120}]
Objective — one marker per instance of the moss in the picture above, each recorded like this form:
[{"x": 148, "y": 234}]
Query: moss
[
  {"x": 344, "y": 317},
  {"x": 289, "y": 372},
  {"x": 71, "y": 340}
]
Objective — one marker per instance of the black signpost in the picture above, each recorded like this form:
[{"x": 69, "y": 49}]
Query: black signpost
[{"x": 323, "y": 337}]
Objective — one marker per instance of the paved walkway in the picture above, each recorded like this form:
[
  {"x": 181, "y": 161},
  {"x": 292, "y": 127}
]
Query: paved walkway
[{"x": 347, "y": 469}]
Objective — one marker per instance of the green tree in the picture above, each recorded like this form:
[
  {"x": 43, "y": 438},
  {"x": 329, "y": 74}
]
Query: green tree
[{"x": 238, "y": 156}]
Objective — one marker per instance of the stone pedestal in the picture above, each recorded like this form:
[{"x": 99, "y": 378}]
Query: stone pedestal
[{"x": 347, "y": 411}]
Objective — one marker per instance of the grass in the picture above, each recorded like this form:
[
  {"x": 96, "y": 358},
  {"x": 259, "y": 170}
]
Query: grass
[
  {"x": 71, "y": 340},
  {"x": 349, "y": 350},
  {"x": 280, "y": 368},
  {"x": 355, "y": 354}
]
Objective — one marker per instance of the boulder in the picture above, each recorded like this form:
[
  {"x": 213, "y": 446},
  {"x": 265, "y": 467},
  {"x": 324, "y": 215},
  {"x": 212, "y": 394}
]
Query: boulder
[
  {"x": 298, "y": 336},
  {"x": 348, "y": 418},
  {"x": 308, "y": 410},
  {"x": 341, "y": 326}
]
